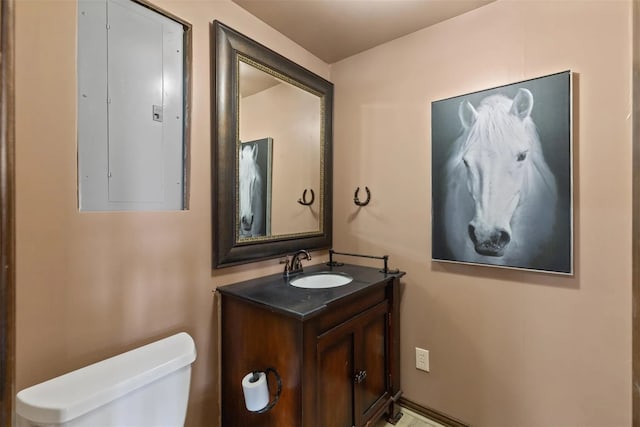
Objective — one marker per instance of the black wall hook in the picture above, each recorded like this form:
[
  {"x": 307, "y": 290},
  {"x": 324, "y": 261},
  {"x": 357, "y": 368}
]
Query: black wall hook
[
  {"x": 357, "y": 201},
  {"x": 303, "y": 200}
]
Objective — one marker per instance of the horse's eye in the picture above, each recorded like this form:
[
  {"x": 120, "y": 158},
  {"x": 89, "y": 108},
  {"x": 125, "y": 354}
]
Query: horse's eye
[
  {"x": 465, "y": 162},
  {"x": 521, "y": 156}
]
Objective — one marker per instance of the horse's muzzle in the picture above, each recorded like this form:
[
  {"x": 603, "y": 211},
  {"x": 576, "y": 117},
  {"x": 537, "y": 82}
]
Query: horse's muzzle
[
  {"x": 246, "y": 223},
  {"x": 491, "y": 244}
]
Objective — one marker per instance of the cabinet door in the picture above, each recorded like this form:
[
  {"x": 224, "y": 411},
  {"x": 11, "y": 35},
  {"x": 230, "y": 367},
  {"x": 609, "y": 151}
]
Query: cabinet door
[
  {"x": 334, "y": 379},
  {"x": 371, "y": 358},
  {"x": 352, "y": 368}
]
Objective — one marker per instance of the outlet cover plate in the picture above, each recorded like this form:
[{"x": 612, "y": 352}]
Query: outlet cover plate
[{"x": 422, "y": 359}]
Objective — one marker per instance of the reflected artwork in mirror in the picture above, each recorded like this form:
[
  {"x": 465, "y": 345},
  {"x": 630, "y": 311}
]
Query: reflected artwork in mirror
[
  {"x": 271, "y": 143},
  {"x": 254, "y": 192}
]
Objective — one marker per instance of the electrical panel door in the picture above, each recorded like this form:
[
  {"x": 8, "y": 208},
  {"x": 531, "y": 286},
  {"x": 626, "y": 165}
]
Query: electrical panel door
[{"x": 137, "y": 72}]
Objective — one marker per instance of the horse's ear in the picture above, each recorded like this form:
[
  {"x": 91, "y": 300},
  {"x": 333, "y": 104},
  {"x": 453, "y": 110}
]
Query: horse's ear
[
  {"x": 467, "y": 114},
  {"x": 254, "y": 151},
  {"x": 522, "y": 104}
]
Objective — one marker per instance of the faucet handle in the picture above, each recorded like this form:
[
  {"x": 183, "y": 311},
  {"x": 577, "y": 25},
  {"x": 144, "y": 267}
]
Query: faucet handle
[{"x": 287, "y": 266}]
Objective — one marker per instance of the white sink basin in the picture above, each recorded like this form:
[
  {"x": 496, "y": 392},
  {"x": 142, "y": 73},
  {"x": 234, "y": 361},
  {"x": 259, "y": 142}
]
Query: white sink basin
[{"x": 321, "y": 280}]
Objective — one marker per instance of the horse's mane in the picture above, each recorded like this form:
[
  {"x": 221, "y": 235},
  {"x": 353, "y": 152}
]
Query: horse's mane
[{"x": 495, "y": 123}]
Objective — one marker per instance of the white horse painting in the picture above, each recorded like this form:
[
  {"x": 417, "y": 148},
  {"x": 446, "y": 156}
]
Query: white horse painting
[
  {"x": 252, "y": 213},
  {"x": 500, "y": 196}
]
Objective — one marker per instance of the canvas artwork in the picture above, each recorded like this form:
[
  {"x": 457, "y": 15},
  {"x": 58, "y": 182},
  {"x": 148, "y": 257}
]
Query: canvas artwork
[
  {"x": 254, "y": 177},
  {"x": 502, "y": 176}
]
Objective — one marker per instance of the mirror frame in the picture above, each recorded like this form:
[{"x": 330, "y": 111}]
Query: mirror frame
[{"x": 228, "y": 45}]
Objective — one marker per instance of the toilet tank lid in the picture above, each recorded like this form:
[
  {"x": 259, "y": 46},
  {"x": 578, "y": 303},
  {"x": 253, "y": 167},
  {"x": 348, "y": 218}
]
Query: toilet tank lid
[{"x": 73, "y": 394}]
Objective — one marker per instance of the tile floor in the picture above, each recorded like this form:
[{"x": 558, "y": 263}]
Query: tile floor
[{"x": 411, "y": 419}]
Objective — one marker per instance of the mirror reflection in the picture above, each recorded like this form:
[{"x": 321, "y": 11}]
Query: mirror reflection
[
  {"x": 279, "y": 155},
  {"x": 271, "y": 153}
]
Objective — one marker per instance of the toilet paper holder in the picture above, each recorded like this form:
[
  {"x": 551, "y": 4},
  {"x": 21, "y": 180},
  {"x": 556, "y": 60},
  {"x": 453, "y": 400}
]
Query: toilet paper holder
[{"x": 256, "y": 390}]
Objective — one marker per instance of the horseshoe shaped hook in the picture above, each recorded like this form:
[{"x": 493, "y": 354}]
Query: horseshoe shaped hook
[
  {"x": 303, "y": 200},
  {"x": 357, "y": 201}
]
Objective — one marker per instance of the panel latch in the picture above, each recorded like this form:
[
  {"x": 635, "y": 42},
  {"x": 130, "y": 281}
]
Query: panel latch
[{"x": 157, "y": 113}]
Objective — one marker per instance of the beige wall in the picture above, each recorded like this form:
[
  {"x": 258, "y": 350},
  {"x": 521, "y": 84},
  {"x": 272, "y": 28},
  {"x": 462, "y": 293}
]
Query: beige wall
[
  {"x": 91, "y": 285},
  {"x": 508, "y": 348}
]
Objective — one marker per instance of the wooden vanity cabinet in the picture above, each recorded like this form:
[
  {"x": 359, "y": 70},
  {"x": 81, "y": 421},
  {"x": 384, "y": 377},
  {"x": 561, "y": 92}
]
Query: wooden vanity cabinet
[{"x": 339, "y": 366}]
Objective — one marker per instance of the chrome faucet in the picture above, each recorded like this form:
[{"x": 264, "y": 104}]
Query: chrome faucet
[{"x": 295, "y": 266}]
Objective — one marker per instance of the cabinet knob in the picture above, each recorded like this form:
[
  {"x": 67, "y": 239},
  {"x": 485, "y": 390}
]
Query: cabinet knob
[{"x": 360, "y": 376}]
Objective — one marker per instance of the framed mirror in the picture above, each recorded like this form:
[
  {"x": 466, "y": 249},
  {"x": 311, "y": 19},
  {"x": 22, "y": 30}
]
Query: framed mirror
[{"x": 271, "y": 153}]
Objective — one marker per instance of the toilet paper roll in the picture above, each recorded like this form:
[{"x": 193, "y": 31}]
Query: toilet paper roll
[{"x": 256, "y": 394}]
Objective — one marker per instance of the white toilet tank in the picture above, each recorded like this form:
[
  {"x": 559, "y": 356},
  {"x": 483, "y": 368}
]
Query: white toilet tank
[{"x": 145, "y": 387}]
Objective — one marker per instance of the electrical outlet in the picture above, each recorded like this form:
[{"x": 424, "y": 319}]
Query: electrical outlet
[{"x": 422, "y": 359}]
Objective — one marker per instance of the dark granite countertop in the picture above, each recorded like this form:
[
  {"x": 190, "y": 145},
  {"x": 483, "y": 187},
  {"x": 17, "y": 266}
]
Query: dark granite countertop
[{"x": 276, "y": 293}]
